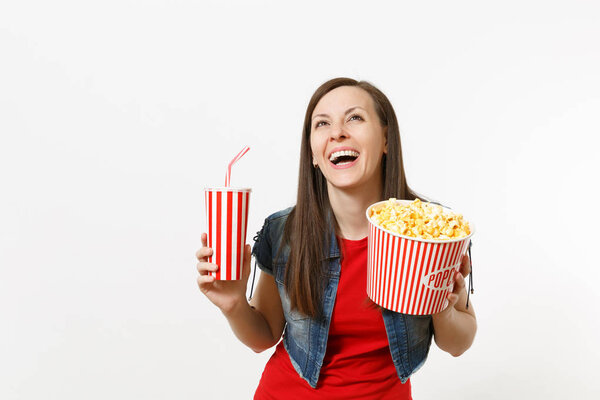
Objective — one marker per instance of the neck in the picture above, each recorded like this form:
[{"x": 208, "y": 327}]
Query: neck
[{"x": 349, "y": 207}]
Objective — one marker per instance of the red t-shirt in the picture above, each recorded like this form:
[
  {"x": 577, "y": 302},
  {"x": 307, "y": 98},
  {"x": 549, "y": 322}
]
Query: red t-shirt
[{"x": 357, "y": 363}]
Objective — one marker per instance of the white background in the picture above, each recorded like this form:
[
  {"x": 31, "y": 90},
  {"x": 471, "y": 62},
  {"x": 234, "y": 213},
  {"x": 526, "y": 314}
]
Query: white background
[{"x": 114, "y": 115}]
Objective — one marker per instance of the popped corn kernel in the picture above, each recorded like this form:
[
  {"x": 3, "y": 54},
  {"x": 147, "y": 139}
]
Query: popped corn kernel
[{"x": 420, "y": 220}]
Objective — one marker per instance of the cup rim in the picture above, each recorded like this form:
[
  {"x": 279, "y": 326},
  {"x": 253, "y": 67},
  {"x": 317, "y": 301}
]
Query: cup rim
[
  {"x": 226, "y": 189},
  {"x": 415, "y": 238}
]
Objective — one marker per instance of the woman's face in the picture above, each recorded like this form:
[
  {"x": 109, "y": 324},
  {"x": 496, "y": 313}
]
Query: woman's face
[{"x": 346, "y": 138}]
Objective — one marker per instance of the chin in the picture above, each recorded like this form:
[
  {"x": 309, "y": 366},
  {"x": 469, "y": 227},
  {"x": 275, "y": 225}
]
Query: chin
[{"x": 344, "y": 184}]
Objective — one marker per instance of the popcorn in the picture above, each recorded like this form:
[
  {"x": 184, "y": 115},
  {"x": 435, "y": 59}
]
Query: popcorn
[{"x": 420, "y": 220}]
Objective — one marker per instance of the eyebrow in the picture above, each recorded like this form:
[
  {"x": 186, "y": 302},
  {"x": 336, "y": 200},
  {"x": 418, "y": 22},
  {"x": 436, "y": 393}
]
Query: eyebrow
[{"x": 348, "y": 111}]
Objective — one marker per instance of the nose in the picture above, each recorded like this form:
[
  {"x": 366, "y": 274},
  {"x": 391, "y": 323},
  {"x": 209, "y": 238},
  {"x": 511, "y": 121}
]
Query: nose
[{"x": 338, "y": 133}]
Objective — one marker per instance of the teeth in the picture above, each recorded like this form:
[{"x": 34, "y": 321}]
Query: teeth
[{"x": 338, "y": 154}]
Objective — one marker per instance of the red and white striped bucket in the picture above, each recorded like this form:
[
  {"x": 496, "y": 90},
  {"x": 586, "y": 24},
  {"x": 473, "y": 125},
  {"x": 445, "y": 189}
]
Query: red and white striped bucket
[
  {"x": 227, "y": 220},
  {"x": 411, "y": 275}
]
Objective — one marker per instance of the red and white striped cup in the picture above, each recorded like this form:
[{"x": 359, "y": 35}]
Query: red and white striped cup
[
  {"x": 227, "y": 220},
  {"x": 411, "y": 275}
]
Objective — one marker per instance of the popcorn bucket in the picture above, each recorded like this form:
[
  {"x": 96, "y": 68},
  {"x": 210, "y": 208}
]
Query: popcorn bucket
[
  {"x": 411, "y": 275},
  {"x": 226, "y": 220}
]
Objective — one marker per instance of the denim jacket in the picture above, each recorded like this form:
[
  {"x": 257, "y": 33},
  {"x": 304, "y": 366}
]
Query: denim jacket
[{"x": 305, "y": 338}]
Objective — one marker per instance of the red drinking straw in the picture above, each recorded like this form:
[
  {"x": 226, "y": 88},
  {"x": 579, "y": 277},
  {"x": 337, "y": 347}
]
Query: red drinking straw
[{"x": 235, "y": 159}]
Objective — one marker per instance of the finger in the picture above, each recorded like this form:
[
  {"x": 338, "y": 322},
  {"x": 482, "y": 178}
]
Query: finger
[
  {"x": 465, "y": 266},
  {"x": 204, "y": 268},
  {"x": 452, "y": 299},
  {"x": 459, "y": 283},
  {"x": 204, "y": 281},
  {"x": 247, "y": 258},
  {"x": 203, "y": 238},
  {"x": 204, "y": 253}
]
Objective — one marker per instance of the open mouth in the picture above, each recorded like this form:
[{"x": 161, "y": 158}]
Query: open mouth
[{"x": 344, "y": 157}]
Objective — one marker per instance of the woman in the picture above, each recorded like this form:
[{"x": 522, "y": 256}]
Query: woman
[{"x": 337, "y": 344}]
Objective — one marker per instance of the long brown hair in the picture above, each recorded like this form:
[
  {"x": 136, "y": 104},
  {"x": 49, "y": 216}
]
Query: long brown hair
[{"x": 307, "y": 230}]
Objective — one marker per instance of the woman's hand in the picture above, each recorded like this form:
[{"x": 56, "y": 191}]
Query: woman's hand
[
  {"x": 459, "y": 280},
  {"x": 224, "y": 294},
  {"x": 459, "y": 286}
]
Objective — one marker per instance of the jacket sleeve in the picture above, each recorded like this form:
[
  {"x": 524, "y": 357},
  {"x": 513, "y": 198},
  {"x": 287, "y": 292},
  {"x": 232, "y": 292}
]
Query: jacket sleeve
[{"x": 262, "y": 249}]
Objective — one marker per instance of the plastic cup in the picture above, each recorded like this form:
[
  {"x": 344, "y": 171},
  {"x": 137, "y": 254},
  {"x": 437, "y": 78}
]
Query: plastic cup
[
  {"x": 411, "y": 275},
  {"x": 227, "y": 220}
]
